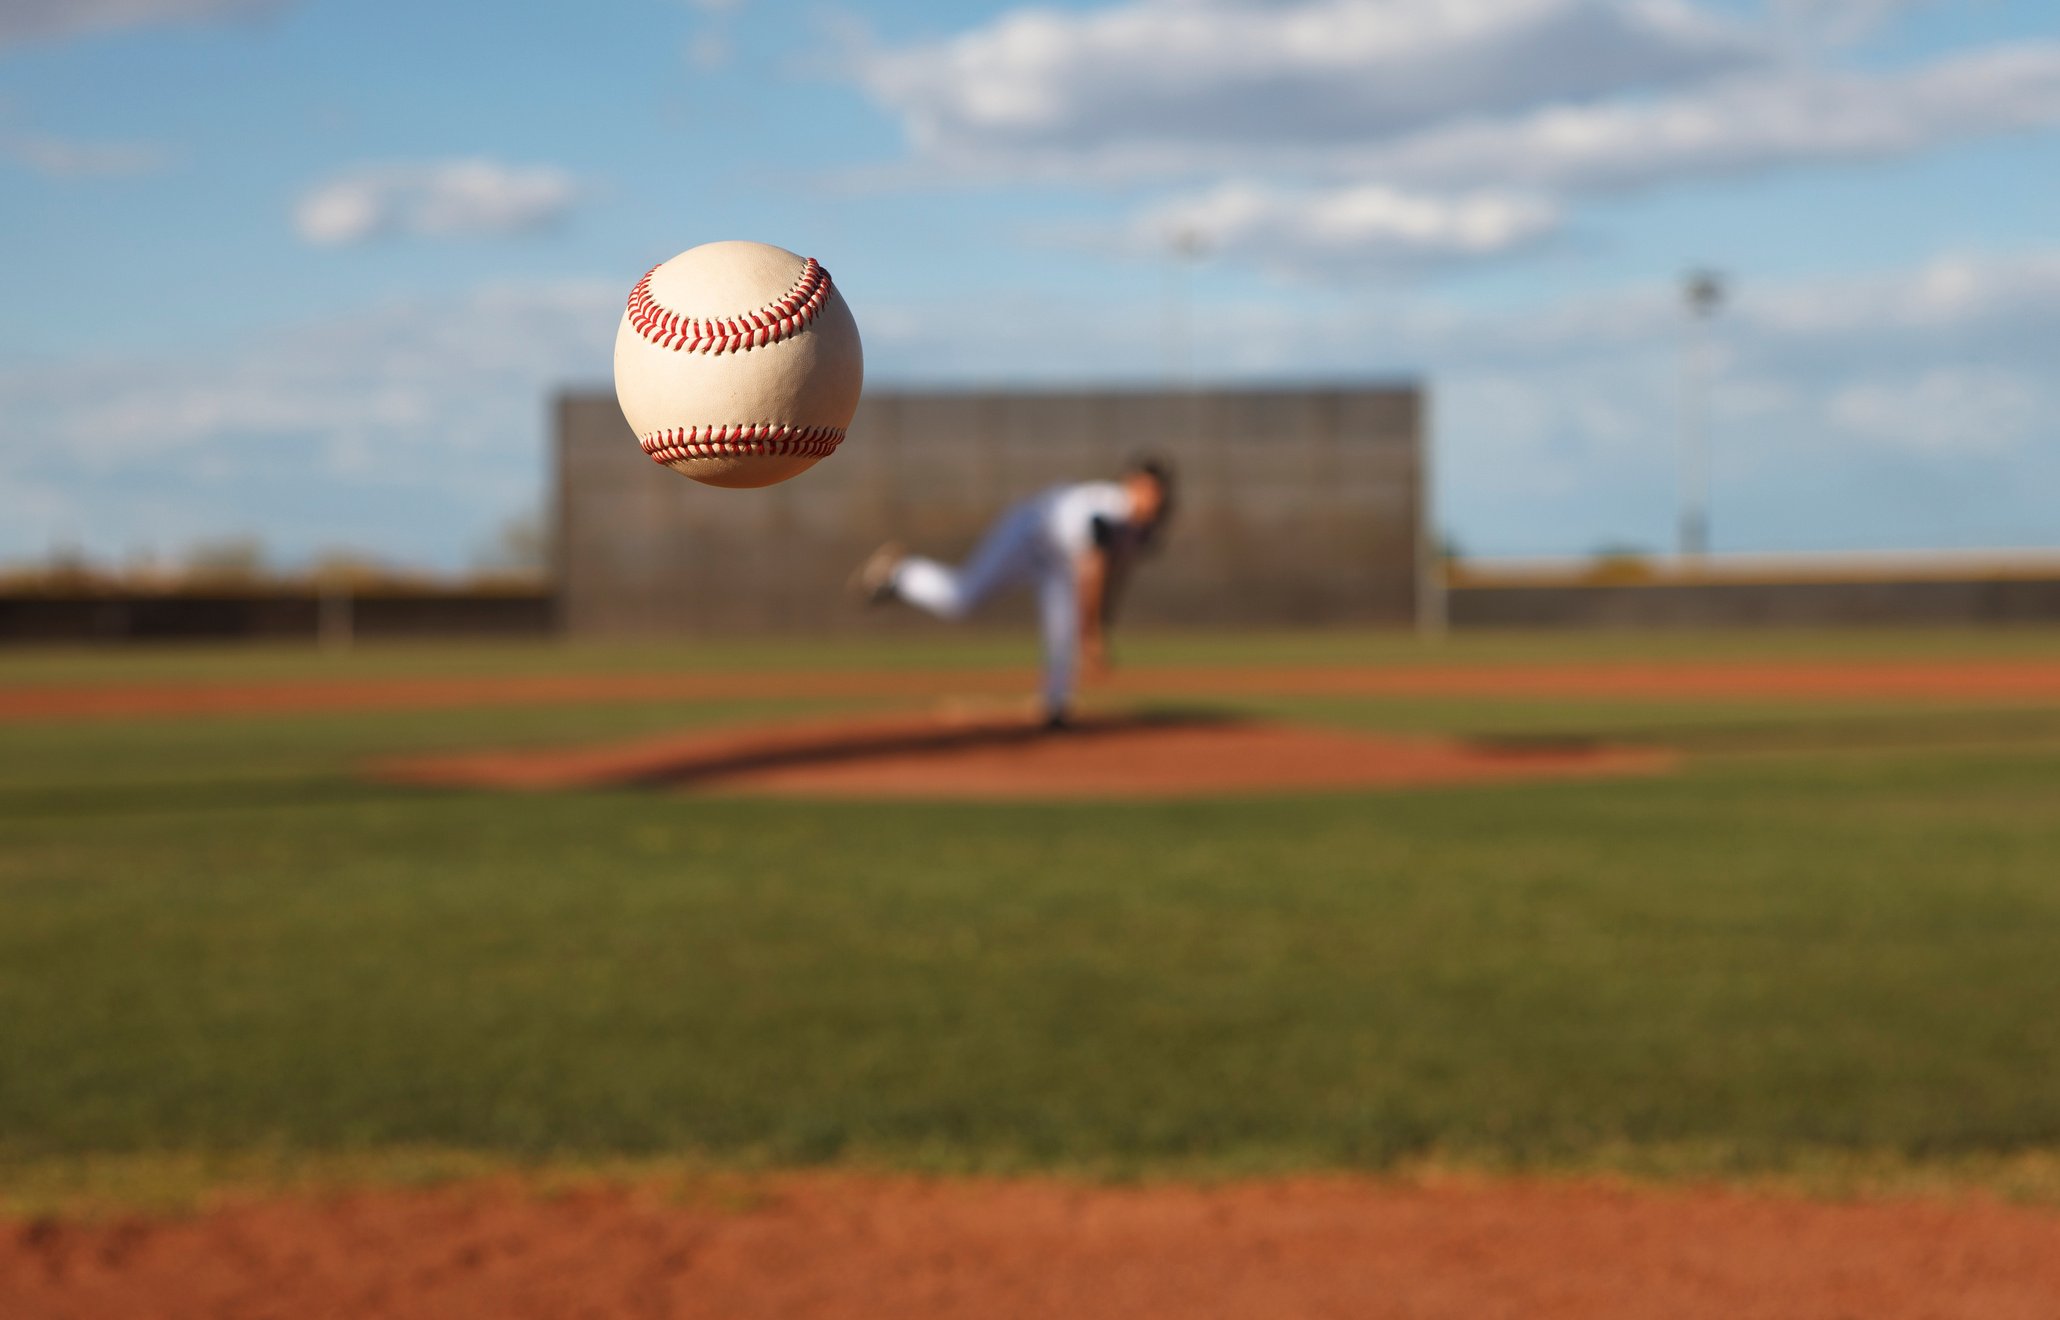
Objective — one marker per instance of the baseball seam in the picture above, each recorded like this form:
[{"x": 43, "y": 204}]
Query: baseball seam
[
  {"x": 676, "y": 443},
  {"x": 782, "y": 318}
]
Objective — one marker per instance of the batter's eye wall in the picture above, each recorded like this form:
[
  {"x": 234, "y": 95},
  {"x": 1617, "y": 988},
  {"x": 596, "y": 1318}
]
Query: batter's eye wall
[{"x": 1297, "y": 507}]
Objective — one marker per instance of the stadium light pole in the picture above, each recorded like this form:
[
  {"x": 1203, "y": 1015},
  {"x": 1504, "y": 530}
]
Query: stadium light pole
[
  {"x": 1703, "y": 291},
  {"x": 1188, "y": 246}
]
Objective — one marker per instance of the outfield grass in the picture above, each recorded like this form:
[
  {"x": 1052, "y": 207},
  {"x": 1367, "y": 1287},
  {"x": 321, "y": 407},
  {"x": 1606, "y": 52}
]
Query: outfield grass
[
  {"x": 940, "y": 646},
  {"x": 1832, "y": 935}
]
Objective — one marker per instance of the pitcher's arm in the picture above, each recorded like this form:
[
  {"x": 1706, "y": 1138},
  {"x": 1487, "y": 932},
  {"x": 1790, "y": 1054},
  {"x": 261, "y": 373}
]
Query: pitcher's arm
[{"x": 1091, "y": 583}]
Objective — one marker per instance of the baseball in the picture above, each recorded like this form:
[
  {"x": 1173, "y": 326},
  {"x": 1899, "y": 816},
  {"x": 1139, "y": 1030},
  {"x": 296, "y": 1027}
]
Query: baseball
[{"x": 738, "y": 364}]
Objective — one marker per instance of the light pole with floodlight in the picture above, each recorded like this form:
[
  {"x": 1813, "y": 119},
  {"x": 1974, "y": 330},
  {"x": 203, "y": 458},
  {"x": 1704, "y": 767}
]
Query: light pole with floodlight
[
  {"x": 1703, "y": 291},
  {"x": 1188, "y": 246}
]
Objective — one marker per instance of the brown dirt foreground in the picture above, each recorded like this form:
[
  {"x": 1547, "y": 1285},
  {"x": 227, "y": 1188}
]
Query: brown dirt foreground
[
  {"x": 940, "y": 756},
  {"x": 833, "y": 1246}
]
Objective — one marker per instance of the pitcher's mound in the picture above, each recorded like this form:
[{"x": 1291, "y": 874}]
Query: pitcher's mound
[{"x": 941, "y": 756}]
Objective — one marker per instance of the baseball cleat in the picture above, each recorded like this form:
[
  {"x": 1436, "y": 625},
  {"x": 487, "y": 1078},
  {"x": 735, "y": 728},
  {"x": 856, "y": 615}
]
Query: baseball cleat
[{"x": 874, "y": 579}]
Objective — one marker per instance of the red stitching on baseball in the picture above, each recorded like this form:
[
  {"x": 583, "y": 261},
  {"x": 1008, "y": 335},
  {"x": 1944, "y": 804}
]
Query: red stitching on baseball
[
  {"x": 677, "y": 443},
  {"x": 782, "y": 318}
]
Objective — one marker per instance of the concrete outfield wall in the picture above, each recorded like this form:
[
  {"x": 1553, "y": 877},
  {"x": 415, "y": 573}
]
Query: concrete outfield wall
[
  {"x": 1296, "y": 507},
  {"x": 1833, "y": 603}
]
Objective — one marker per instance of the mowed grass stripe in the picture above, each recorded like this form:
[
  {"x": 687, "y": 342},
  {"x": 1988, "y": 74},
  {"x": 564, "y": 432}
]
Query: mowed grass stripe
[{"x": 941, "y": 647}]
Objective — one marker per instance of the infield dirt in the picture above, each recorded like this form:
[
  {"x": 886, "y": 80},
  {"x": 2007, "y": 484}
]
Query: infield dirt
[
  {"x": 831, "y": 1246},
  {"x": 942, "y": 756}
]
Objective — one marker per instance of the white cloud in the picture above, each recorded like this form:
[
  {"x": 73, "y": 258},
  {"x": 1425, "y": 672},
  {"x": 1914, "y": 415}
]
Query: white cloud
[
  {"x": 444, "y": 199},
  {"x": 1297, "y": 230},
  {"x": 413, "y": 429},
  {"x": 1902, "y": 408},
  {"x": 1944, "y": 410},
  {"x": 1840, "y": 21},
  {"x": 395, "y": 369},
  {"x": 1999, "y": 310},
  {"x": 1566, "y": 94},
  {"x": 31, "y": 20},
  {"x": 1738, "y": 124},
  {"x": 1953, "y": 297},
  {"x": 1365, "y": 112},
  {"x": 1168, "y": 81}
]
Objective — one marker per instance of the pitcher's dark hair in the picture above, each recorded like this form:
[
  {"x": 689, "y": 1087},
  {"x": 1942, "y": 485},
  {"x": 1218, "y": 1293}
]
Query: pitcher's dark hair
[{"x": 1161, "y": 473}]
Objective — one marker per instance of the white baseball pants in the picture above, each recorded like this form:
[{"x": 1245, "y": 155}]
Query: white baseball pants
[{"x": 1016, "y": 552}]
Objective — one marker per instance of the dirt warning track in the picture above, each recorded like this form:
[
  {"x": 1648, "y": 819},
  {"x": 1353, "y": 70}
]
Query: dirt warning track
[
  {"x": 942, "y": 757},
  {"x": 840, "y": 1247},
  {"x": 1976, "y": 681}
]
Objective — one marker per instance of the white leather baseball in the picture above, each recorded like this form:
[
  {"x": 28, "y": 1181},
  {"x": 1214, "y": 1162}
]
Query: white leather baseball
[{"x": 738, "y": 364}]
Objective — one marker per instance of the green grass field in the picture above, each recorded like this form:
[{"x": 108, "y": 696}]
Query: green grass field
[{"x": 1833, "y": 937}]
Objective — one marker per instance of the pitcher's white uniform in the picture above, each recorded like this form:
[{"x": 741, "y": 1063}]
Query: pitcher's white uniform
[{"x": 1037, "y": 542}]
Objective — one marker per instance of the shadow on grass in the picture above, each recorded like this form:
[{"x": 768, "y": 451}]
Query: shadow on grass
[
  {"x": 773, "y": 751},
  {"x": 1917, "y": 732}
]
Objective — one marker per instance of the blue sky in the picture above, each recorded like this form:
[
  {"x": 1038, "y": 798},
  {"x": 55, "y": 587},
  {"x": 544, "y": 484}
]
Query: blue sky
[{"x": 309, "y": 271}]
